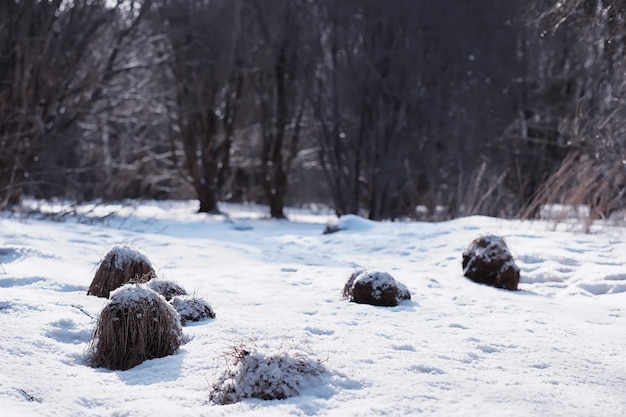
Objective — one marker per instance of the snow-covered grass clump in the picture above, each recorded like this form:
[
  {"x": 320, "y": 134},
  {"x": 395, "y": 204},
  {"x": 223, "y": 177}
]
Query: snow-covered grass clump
[
  {"x": 136, "y": 324},
  {"x": 122, "y": 264},
  {"x": 192, "y": 308},
  {"x": 123, "y": 254},
  {"x": 267, "y": 371},
  {"x": 167, "y": 289}
]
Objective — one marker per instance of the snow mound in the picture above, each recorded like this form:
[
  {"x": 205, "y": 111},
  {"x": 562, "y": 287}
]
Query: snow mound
[
  {"x": 267, "y": 372},
  {"x": 351, "y": 223}
]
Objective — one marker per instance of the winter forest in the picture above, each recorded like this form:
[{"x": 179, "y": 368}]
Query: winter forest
[{"x": 423, "y": 109}]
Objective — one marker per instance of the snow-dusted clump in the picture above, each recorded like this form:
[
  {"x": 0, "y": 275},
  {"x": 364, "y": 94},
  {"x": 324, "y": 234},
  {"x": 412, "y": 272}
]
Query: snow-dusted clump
[
  {"x": 375, "y": 288},
  {"x": 125, "y": 253},
  {"x": 188, "y": 307},
  {"x": 167, "y": 289},
  {"x": 136, "y": 324},
  {"x": 122, "y": 264},
  {"x": 487, "y": 260},
  {"x": 268, "y": 372},
  {"x": 192, "y": 308}
]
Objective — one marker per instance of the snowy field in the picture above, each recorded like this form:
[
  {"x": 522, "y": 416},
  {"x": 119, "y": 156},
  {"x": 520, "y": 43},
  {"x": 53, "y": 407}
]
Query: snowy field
[{"x": 557, "y": 347}]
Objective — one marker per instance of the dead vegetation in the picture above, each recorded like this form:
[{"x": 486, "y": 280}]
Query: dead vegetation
[
  {"x": 121, "y": 264},
  {"x": 167, "y": 289},
  {"x": 137, "y": 324},
  {"x": 192, "y": 308},
  {"x": 592, "y": 190},
  {"x": 271, "y": 371}
]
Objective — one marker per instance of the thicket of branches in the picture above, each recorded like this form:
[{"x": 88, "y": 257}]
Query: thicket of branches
[{"x": 371, "y": 107}]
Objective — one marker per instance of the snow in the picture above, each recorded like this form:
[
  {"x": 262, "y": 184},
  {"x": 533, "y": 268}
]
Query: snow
[
  {"x": 123, "y": 253},
  {"x": 491, "y": 248},
  {"x": 354, "y": 223},
  {"x": 132, "y": 293},
  {"x": 556, "y": 347}
]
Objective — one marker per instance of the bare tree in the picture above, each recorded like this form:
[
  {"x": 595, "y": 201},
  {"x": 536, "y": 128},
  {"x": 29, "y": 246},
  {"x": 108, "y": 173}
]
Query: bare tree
[
  {"x": 56, "y": 58},
  {"x": 281, "y": 67},
  {"x": 408, "y": 109},
  {"x": 381, "y": 64},
  {"x": 206, "y": 70},
  {"x": 45, "y": 88},
  {"x": 331, "y": 100}
]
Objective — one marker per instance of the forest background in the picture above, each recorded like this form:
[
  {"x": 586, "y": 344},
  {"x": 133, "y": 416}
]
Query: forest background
[{"x": 423, "y": 109}]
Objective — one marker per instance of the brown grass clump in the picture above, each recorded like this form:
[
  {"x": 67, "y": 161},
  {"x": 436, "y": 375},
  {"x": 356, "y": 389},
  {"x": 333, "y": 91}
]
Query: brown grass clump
[
  {"x": 487, "y": 260},
  {"x": 136, "y": 325},
  {"x": 589, "y": 188},
  {"x": 347, "y": 288},
  {"x": 375, "y": 288},
  {"x": 121, "y": 265}
]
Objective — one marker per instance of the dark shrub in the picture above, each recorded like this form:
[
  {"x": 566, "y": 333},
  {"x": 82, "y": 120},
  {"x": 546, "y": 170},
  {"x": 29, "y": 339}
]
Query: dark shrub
[
  {"x": 375, "y": 288},
  {"x": 487, "y": 260}
]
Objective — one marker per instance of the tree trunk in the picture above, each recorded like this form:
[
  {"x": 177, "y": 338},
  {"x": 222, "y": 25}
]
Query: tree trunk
[
  {"x": 207, "y": 199},
  {"x": 276, "y": 196}
]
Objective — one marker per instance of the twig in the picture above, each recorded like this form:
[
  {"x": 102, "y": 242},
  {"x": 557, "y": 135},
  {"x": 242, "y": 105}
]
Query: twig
[
  {"x": 3, "y": 270},
  {"x": 28, "y": 396},
  {"x": 83, "y": 310}
]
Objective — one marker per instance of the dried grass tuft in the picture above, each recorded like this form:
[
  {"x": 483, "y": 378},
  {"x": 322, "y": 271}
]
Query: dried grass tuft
[
  {"x": 592, "y": 189},
  {"x": 192, "y": 308},
  {"x": 266, "y": 372},
  {"x": 167, "y": 289},
  {"x": 121, "y": 265},
  {"x": 347, "y": 288},
  {"x": 137, "y": 324}
]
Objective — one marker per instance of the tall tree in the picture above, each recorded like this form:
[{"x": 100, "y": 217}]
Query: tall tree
[
  {"x": 206, "y": 70},
  {"x": 407, "y": 109},
  {"x": 333, "y": 109},
  {"x": 281, "y": 70}
]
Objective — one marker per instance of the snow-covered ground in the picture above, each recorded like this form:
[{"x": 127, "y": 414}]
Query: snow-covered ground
[{"x": 556, "y": 347}]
